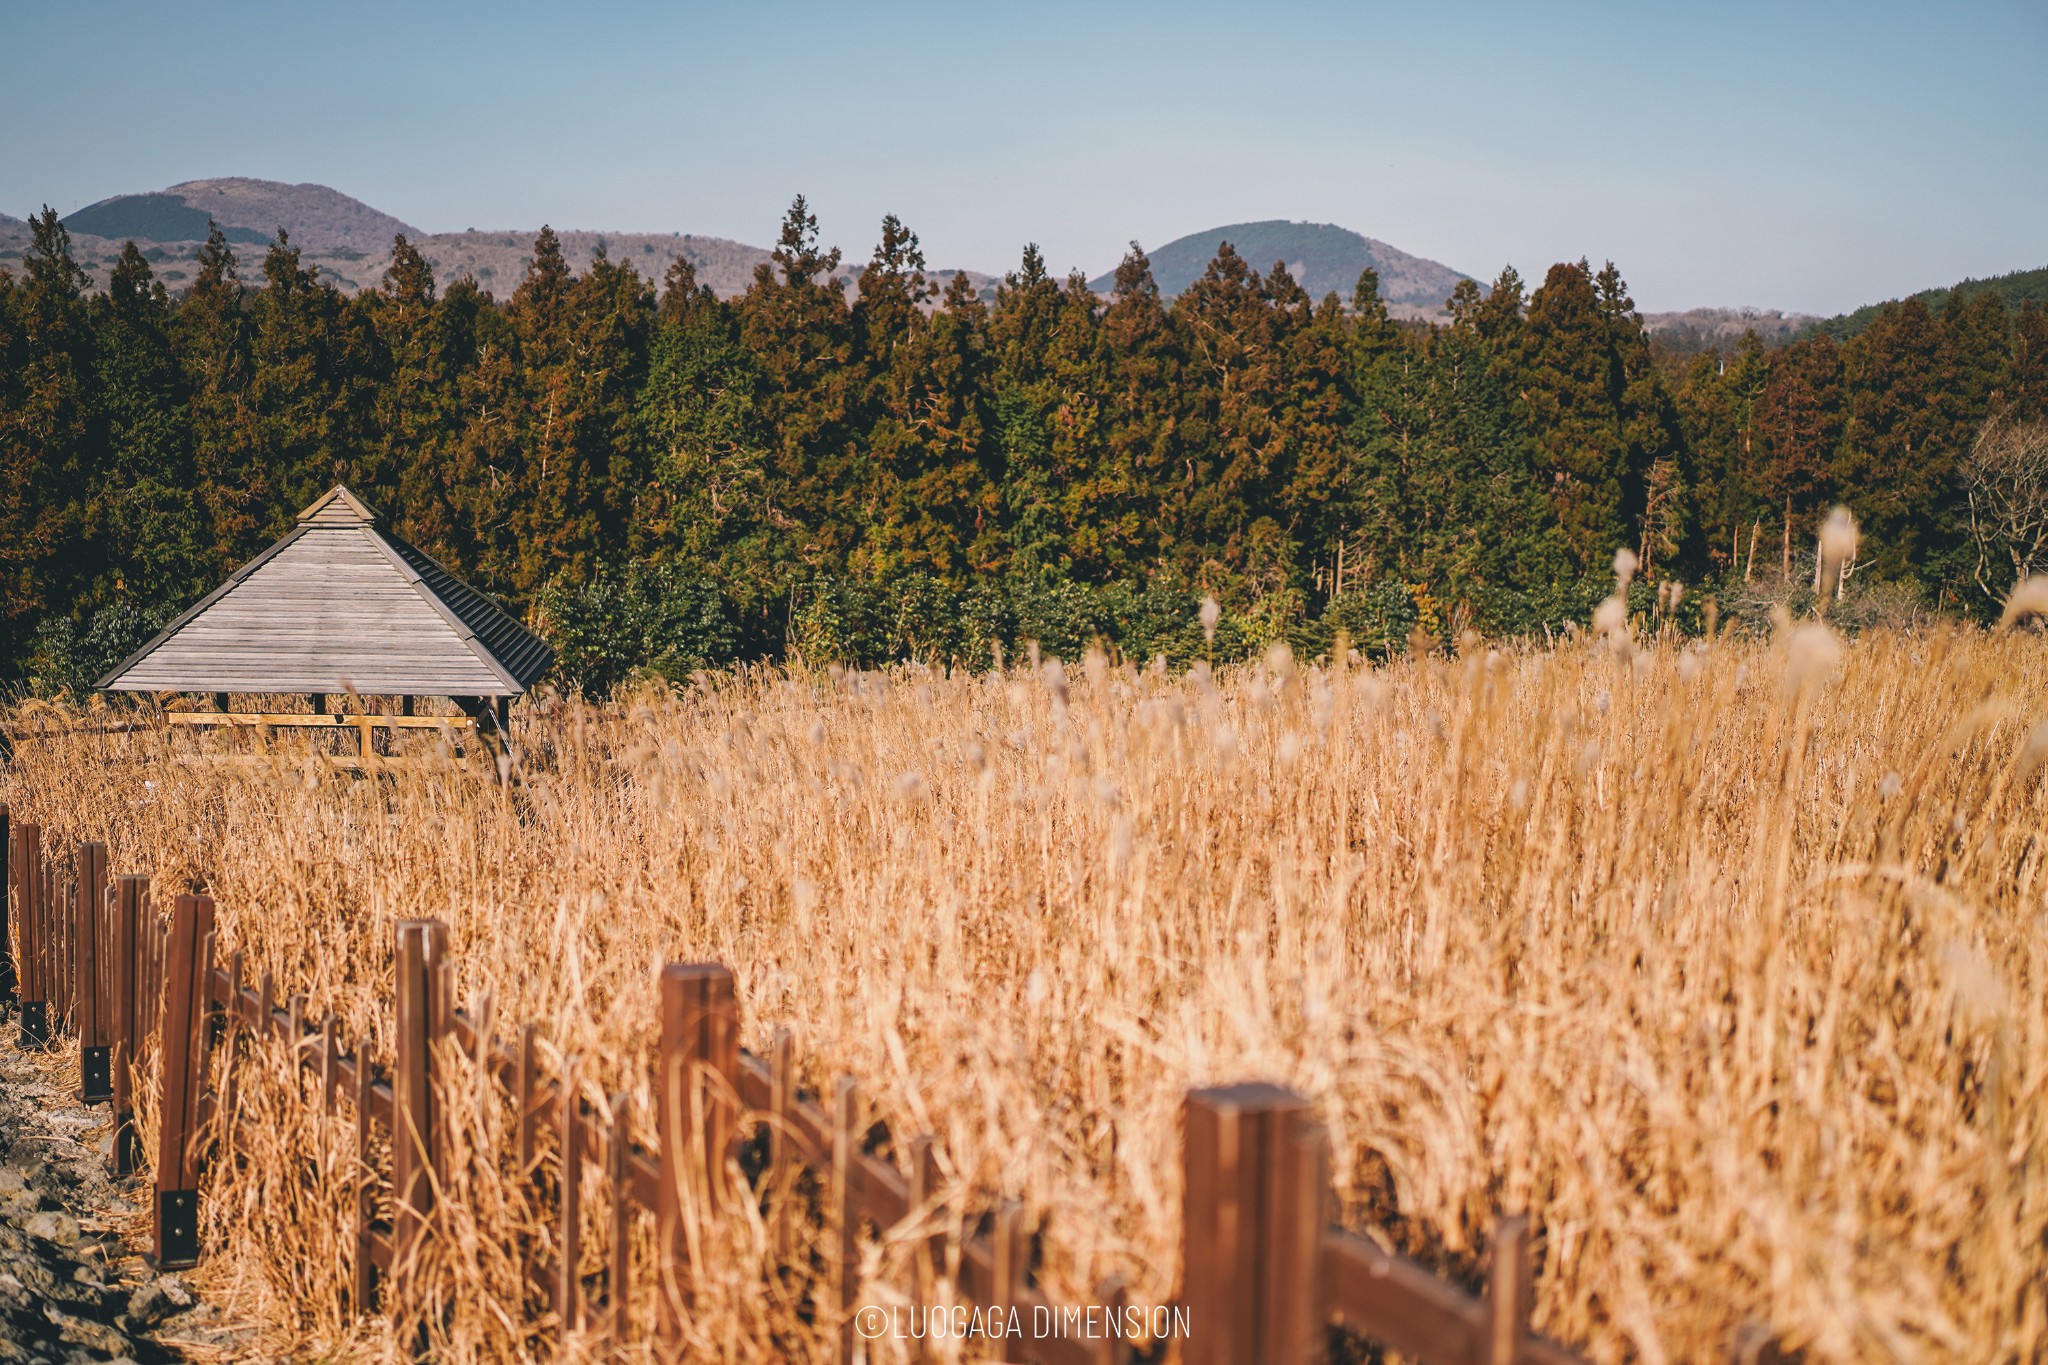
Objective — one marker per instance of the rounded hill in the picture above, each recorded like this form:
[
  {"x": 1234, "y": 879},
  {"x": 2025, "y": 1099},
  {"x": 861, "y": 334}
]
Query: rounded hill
[
  {"x": 1322, "y": 257},
  {"x": 318, "y": 218}
]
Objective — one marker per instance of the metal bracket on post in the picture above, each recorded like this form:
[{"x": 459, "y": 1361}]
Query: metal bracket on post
[
  {"x": 96, "y": 1074},
  {"x": 177, "y": 1229}
]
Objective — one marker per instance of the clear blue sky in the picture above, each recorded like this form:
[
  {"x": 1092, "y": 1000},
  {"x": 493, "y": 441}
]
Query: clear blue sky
[{"x": 1789, "y": 155}]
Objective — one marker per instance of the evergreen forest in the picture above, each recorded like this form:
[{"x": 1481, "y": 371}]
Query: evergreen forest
[{"x": 861, "y": 465}]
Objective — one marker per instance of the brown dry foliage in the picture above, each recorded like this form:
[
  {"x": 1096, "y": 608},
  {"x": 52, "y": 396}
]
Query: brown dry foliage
[{"x": 1726, "y": 962}]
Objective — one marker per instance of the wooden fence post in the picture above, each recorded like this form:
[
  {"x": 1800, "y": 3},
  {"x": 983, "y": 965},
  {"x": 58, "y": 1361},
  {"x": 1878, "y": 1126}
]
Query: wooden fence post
[
  {"x": 130, "y": 896},
  {"x": 8, "y": 915},
  {"x": 569, "y": 1277},
  {"x": 415, "y": 1125},
  {"x": 618, "y": 1282},
  {"x": 697, "y": 1085},
  {"x": 1508, "y": 1292},
  {"x": 363, "y": 1280},
  {"x": 844, "y": 1260},
  {"x": 921, "y": 1180},
  {"x": 1013, "y": 1252},
  {"x": 91, "y": 1007},
  {"x": 24, "y": 867},
  {"x": 782, "y": 1158},
  {"x": 182, "y": 1043},
  {"x": 1251, "y": 1210}
]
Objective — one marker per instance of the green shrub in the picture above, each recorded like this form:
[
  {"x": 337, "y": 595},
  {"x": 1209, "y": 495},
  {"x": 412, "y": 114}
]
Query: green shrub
[
  {"x": 647, "y": 619},
  {"x": 62, "y": 658}
]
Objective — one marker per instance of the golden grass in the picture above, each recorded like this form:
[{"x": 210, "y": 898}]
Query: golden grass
[{"x": 1728, "y": 962}]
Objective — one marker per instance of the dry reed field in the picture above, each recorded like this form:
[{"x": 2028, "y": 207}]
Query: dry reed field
[{"x": 1726, "y": 961}]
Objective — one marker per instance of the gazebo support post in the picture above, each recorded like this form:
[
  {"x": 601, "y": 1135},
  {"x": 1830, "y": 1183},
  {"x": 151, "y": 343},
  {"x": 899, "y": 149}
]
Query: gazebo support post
[{"x": 220, "y": 702}]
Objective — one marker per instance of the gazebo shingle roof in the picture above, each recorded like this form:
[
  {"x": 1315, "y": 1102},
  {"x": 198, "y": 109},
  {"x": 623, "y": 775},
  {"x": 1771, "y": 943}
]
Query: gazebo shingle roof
[{"x": 340, "y": 603}]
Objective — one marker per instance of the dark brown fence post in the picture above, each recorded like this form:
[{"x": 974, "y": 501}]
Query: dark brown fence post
[
  {"x": 415, "y": 1127},
  {"x": 619, "y": 1281},
  {"x": 1013, "y": 1249},
  {"x": 782, "y": 1156},
  {"x": 1251, "y": 1210},
  {"x": 363, "y": 1282},
  {"x": 530, "y": 1101},
  {"x": 925, "y": 1261},
  {"x": 130, "y": 940},
  {"x": 844, "y": 1261},
  {"x": 569, "y": 1277},
  {"x": 696, "y": 1090},
  {"x": 7, "y": 914},
  {"x": 24, "y": 868},
  {"x": 182, "y": 1040},
  {"x": 1508, "y": 1297},
  {"x": 92, "y": 1011}
]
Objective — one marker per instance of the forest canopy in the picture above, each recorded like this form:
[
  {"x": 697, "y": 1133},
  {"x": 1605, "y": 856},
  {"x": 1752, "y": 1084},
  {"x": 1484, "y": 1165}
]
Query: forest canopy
[{"x": 863, "y": 465}]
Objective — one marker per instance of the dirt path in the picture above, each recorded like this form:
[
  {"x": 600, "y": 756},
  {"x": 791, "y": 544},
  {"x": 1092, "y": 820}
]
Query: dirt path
[{"x": 74, "y": 1286}]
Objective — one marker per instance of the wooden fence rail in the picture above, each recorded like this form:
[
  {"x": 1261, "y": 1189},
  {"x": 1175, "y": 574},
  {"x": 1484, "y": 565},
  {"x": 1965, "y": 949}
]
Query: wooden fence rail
[{"x": 1266, "y": 1274}]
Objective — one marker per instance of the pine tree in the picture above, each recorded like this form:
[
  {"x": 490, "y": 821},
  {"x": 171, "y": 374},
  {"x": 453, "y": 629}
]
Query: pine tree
[
  {"x": 1717, "y": 404},
  {"x": 1140, "y": 429},
  {"x": 794, "y": 319},
  {"x": 210, "y": 332},
  {"x": 143, "y": 513},
  {"x": 299, "y": 387},
  {"x": 1316, "y": 500},
  {"x": 1567, "y": 376},
  {"x": 2029, "y": 383},
  {"x": 1384, "y": 432},
  {"x": 1788, "y": 476},
  {"x": 1025, "y": 396},
  {"x": 487, "y": 467},
  {"x": 1892, "y": 467},
  {"x": 46, "y": 445},
  {"x": 419, "y": 358},
  {"x": 1497, "y": 318},
  {"x": 958, "y": 489},
  {"x": 706, "y": 444},
  {"x": 1087, "y": 487},
  {"x": 925, "y": 424},
  {"x": 1659, "y": 479},
  {"x": 1231, "y": 338},
  {"x": 546, "y": 426},
  {"x": 583, "y": 347},
  {"x": 681, "y": 295},
  {"x": 614, "y": 318}
]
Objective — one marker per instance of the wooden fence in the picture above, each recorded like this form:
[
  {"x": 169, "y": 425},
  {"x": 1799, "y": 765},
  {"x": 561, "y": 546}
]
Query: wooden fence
[{"x": 1266, "y": 1274}]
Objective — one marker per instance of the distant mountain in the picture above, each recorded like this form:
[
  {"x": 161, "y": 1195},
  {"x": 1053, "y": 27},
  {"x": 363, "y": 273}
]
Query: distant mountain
[
  {"x": 319, "y": 219},
  {"x": 350, "y": 242},
  {"x": 2021, "y": 286},
  {"x": 1322, "y": 257}
]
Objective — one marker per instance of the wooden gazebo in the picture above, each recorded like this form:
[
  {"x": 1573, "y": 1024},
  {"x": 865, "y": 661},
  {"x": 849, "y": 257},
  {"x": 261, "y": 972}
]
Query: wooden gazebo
[{"x": 341, "y": 605}]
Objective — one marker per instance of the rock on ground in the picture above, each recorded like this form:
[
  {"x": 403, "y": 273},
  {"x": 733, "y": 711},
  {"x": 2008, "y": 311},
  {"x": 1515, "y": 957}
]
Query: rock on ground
[{"x": 72, "y": 1288}]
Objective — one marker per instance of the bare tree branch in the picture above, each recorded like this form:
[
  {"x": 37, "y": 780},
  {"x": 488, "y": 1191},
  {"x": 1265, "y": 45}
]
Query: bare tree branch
[{"x": 2006, "y": 476}]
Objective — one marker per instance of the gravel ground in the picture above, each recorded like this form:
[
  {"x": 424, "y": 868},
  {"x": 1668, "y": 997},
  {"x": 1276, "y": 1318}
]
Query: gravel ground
[{"x": 75, "y": 1285}]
